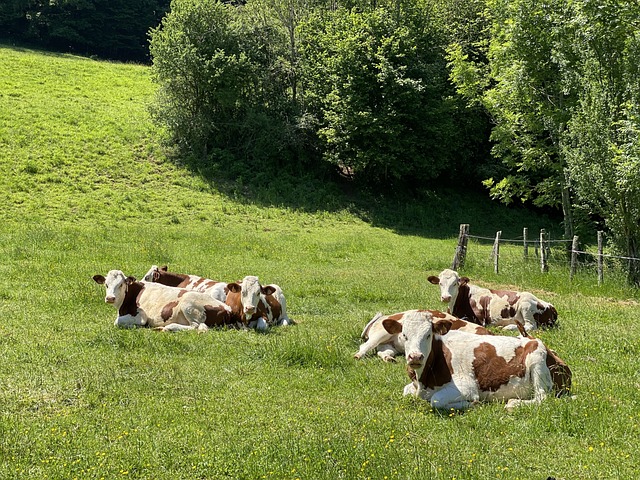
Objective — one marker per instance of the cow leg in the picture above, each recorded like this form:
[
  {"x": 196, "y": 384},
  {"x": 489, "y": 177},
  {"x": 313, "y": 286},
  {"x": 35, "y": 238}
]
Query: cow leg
[
  {"x": 260, "y": 324},
  {"x": 176, "y": 327},
  {"x": 449, "y": 397},
  {"x": 387, "y": 353},
  {"x": 541, "y": 383},
  {"x": 378, "y": 336},
  {"x": 129, "y": 321}
]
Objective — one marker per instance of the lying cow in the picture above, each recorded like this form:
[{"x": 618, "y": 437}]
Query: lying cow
[
  {"x": 161, "y": 307},
  {"x": 257, "y": 306},
  {"x": 492, "y": 307},
  {"x": 190, "y": 282},
  {"x": 389, "y": 345},
  {"x": 454, "y": 369}
]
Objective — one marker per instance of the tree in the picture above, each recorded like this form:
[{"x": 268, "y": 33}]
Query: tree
[
  {"x": 521, "y": 84},
  {"x": 376, "y": 83},
  {"x": 604, "y": 151},
  {"x": 222, "y": 85}
]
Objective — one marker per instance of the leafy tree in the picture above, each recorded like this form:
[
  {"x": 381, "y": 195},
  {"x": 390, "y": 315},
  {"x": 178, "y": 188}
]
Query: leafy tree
[
  {"x": 223, "y": 85},
  {"x": 604, "y": 153},
  {"x": 375, "y": 81},
  {"x": 521, "y": 85}
]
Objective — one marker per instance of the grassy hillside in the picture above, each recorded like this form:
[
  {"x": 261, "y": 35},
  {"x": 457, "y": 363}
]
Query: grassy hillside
[{"x": 87, "y": 188}]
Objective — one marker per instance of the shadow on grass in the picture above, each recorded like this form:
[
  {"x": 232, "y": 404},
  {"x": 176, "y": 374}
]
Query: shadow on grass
[{"x": 432, "y": 211}]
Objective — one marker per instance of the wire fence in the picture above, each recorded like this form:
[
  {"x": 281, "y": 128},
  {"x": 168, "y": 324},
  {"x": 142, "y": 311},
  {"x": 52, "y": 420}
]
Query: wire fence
[{"x": 550, "y": 253}]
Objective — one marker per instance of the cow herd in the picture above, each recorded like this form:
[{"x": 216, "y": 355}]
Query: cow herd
[{"x": 453, "y": 360}]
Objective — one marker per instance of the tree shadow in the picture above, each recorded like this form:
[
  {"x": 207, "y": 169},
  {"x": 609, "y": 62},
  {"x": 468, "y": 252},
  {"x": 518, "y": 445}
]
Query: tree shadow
[{"x": 431, "y": 211}]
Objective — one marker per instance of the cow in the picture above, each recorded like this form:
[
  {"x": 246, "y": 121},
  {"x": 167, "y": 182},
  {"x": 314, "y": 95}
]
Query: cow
[
  {"x": 492, "y": 307},
  {"x": 388, "y": 345},
  {"x": 161, "y": 307},
  {"x": 257, "y": 306},
  {"x": 190, "y": 282},
  {"x": 454, "y": 369}
]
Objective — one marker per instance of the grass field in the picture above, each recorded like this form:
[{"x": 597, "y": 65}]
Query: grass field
[{"x": 86, "y": 187}]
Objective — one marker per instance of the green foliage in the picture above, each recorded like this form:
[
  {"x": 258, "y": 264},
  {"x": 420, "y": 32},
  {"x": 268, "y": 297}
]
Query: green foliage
[
  {"x": 114, "y": 29},
  {"x": 221, "y": 87},
  {"x": 605, "y": 129},
  {"x": 377, "y": 84}
]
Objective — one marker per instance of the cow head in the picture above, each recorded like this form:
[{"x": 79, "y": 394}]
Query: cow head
[
  {"x": 417, "y": 331},
  {"x": 449, "y": 282},
  {"x": 250, "y": 291},
  {"x": 154, "y": 273},
  {"x": 116, "y": 283}
]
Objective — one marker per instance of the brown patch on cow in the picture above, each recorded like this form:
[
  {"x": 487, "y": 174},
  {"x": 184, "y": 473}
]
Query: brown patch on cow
[
  {"x": 436, "y": 313},
  {"x": 508, "y": 312},
  {"x": 397, "y": 316},
  {"x": 458, "y": 324},
  {"x": 198, "y": 282},
  {"x": 437, "y": 369},
  {"x": 182, "y": 292},
  {"x": 464, "y": 306},
  {"x": 560, "y": 373},
  {"x": 210, "y": 283},
  {"x": 167, "y": 310},
  {"x": 274, "y": 306},
  {"x": 512, "y": 297},
  {"x": 492, "y": 370},
  {"x": 234, "y": 302},
  {"x": 131, "y": 301},
  {"x": 217, "y": 316},
  {"x": 441, "y": 327},
  {"x": 546, "y": 316},
  {"x": 170, "y": 279},
  {"x": 481, "y": 309}
]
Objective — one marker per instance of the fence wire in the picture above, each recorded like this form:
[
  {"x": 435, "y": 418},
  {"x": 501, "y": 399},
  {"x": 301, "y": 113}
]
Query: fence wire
[{"x": 481, "y": 251}]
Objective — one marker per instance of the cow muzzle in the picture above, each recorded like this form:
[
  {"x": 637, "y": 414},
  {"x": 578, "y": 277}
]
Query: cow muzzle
[
  {"x": 445, "y": 298},
  {"x": 415, "y": 360},
  {"x": 110, "y": 299}
]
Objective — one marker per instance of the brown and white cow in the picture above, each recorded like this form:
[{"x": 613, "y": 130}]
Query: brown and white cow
[
  {"x": 389, "y": 345},
  {"x": 190, "y": 282},
  {"x": 257, "y": 306},
  {"x": 159, "y": 306},
  {"x": 492, "y": 307},
  {"x": 454, "y": 369}
]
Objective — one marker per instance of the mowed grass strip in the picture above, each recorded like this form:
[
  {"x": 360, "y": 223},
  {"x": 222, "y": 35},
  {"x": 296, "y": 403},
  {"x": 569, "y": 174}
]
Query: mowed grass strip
[{"x": 82, "y": 399}]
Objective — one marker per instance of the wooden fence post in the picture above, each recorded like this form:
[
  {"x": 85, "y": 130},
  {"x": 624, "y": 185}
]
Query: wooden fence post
[
  {"x": 496, "y": 252},
  {"x": 461, "y": 249},
  {"x": 600, "y": 273},
  {"x": 543, "y": 252},
  {"x": 574, "y": 257},
  {"x": 525, "y": 230}
]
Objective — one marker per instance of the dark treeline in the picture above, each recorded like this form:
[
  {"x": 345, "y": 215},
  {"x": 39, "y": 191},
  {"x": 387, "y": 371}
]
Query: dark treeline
[
  {"x": 537, "y": 100},
  {"x": 110, "y": 29}
]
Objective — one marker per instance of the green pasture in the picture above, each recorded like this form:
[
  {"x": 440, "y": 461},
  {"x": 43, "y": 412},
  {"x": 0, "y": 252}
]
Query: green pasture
[{"x": 87, "y": 187}]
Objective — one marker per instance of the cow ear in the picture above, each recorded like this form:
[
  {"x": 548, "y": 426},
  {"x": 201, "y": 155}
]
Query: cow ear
[
  {"x": 164, "y": 268},
  {"x": 441, "y": 327},
  {"x": 268, "y": 290},
  {"x": 433, "y": 279},
  {"x": 392, "y": 326},
  {"x": 130, "y": 280},
  {"x": 463, "y": 280},
  {"x": 234, "y": 287},
  {"x": 99, "y": 279}
]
